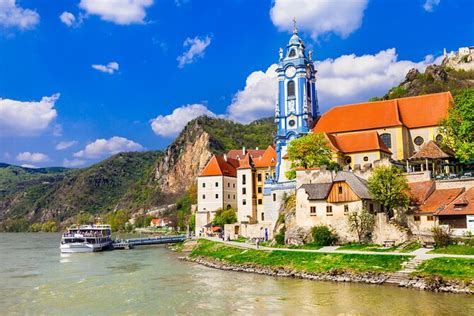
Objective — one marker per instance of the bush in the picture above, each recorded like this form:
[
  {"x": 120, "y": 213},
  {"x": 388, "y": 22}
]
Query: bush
[
  {"x": 323, "y": 236},
  {"x": 441, "y": 237}
]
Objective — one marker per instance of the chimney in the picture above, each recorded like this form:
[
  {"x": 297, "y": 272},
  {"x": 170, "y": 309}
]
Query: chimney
[
  {"x": 256, "y": 148},
  {"x": 225, "y": 157},
  {"x": 243, "y": 150}
]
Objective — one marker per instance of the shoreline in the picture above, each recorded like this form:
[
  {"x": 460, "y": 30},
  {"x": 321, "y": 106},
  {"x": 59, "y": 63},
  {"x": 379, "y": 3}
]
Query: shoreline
[{"x": 432, "y": 284}]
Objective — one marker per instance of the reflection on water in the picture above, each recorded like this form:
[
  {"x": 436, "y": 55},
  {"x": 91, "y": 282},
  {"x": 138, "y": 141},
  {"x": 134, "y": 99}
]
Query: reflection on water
[{"x": 37, "y": 279}]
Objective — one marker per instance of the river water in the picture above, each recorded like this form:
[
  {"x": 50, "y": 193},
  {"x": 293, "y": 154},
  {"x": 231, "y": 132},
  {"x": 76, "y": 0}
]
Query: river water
[{"x": 36, "y": 279}]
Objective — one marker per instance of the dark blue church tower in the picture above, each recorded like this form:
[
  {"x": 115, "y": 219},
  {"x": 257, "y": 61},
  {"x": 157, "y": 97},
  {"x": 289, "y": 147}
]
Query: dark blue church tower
[{"x": 297, "y": 105}]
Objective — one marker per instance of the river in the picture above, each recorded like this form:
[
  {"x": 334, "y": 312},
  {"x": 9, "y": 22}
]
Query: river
[{"x": 36, "y": 279}]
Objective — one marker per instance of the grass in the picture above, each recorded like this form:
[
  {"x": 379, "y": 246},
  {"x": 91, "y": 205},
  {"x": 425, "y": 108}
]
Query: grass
[
  {"x": 449, "y": 268},
  {"x": 455, "y": 250},
  {"x": 412, "y": 246},
  {"x": 366, "y": 247},
  {"x": 240, "y": 239},
  {"x": 301, "y": 261}
]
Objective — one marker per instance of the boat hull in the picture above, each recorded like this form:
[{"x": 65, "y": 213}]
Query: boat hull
[{"x": 84, "y": 247}]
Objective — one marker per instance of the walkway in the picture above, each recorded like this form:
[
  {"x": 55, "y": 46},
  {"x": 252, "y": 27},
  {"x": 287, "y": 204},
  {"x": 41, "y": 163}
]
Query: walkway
[{"x": 420, "y": 254}]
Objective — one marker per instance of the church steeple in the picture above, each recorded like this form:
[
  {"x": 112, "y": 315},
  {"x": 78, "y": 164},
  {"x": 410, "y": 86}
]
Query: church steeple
[{"x": 297, "y": 105}]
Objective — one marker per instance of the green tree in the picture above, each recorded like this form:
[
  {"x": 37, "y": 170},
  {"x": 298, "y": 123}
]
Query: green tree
[
  {"x": 323, "y": 235},
  {"x": 362, "y": 223},
  {"x": 309, "y": 151},
  {"x": 389, "y": 187},
  {"x": 118, "y": 220},
  {"x": 458, "y": 127},
  {"x": 223, "y": 217},
  {"x": 192, "y": 222},
  {"x": 50, "y": 226}
]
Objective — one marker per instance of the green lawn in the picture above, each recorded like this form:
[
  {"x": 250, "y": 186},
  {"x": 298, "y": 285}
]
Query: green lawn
[
  {"x": 455, "y": 250},
  {"x": 450, "y": 268},
  {"x": 414, "y": 245},
  {"x": 301, "y": 261},
  {"x": 366, "y": 247}
]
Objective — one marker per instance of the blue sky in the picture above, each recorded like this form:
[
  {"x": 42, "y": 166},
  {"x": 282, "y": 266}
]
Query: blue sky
[{"x": 83, "y": 79}]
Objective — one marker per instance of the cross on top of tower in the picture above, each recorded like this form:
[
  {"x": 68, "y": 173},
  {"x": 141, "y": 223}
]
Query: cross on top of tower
[{"x": 295, "y": 29}]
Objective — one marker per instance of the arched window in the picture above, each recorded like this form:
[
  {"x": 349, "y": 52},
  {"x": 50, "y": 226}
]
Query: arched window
[
  {"x": 439, "y": 138},
  {"x": 387, "y": 139},
  {"x": 308, "y": 90},
  {"x": 292, "y": 53},
  {"x": 291, "y": 88}
]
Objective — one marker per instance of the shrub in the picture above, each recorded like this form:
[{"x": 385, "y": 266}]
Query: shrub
[
  {"x": 442, "y": 238},
  {"x": 280, "y": 237},
  {"x": 323, "y": 235}
]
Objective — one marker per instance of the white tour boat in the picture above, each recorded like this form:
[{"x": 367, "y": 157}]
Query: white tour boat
[{"x": 86, "y": 238}]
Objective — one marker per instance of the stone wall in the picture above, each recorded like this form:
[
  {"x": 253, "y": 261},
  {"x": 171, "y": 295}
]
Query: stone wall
[{"x": 386, "y": 230}]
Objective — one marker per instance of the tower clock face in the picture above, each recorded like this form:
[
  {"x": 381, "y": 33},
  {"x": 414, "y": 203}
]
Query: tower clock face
[{"x": 290, "y": 72}]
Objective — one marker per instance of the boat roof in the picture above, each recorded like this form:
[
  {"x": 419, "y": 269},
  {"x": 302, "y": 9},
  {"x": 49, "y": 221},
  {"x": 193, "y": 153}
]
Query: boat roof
[{"x": 90, "y": 227}]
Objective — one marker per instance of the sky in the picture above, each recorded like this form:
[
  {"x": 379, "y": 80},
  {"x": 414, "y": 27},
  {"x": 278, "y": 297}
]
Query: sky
[{"x": 81, "y": 80}]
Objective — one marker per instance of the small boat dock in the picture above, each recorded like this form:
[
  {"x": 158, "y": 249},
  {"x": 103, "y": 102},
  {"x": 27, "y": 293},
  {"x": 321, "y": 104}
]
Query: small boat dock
[{"x": 133, "y": 242}]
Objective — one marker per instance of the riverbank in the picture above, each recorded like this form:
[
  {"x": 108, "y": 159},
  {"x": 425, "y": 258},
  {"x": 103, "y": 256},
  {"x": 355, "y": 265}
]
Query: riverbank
[{"x": 338, "y": 267}]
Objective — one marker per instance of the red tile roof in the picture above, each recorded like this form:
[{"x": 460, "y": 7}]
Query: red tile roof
[
  {"x": 439, "y": 199},
  {"x": 268, "y": 159},
  {"x": 413, "y": 112},
  {"x": 431, "y": 150},
  {"x": 245, "y": 162},
  {"x": 463, "y": 205},
  {"x": 238, "y": 153},
  {"x": 218, "y": 166},
  {"x": 420, "y": 191},
  {"x": 358, "y": 142}
]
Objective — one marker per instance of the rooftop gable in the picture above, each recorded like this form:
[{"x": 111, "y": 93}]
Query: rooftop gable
[
  {"x": 359, "y": 142},
  {"x": 218, "y": 166},
  {"x": 439, "y": 199},
  {"x": 268, "y": 159},
  {"x": 462, "y": 205},
  {"x": 420, "y": 191},
  {"x": 357, "y": 185}
]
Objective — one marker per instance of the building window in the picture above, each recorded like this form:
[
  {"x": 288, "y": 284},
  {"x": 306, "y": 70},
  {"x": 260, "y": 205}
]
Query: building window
[
  {"x": 217, "y": 196},
  {"x": 228, "y": 184},
  {"x": 229, "y": 207},
  {"x": 243, "y": 179},
  {"x": 371, "y": 208},
  {"x": 244, "y": 202},
  {"x": 234, "y": 197},
  {"x": 292, "y": 53},
  {"x": 217, "y": 184},
  {"x": 259, "y": 177},
  {"x": 233, "y": 185},
  {"x": 430, "y": 218},
  {"x": 348, "y": 160},
  {"x": 291, "y": 88},
  {"x": 416, "y": 218},
  {"x": 274, "y": 197},
  {"x": 259, "y": 189},
  {"x": 346, "y": 209},
  {"x": 366, "y": 158},
  {"x": 387, "y": 139},
  {"x": 312, "y": 210},
  {"x": 418, "y": 140},
  {"x": 259, "y": 201},
  {"x": 439, "y": 138},
  {"x": 228, "y": 196},
  {"x": 203, "y": 196},
  {"x": 203, "y": 185},
  {"x": 329, "y": 210},
  {"x": 244, "y": 190},
  {"x": 263, "y": 217},
  {"x": 339, "y": 190}
]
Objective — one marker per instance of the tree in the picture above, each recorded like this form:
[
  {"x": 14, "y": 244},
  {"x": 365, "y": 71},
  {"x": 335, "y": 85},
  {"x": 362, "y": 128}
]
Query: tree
[
  {"x": 389, "y": 187},
  {"x": 223, "y": 217},
  {"x": 458, "y": 127},
  {"x": 118, "y": 220},
  {"x": 362, "y": 223},
  {"x": 309, "y": 151},
  {"x": 323, "y": 235}
]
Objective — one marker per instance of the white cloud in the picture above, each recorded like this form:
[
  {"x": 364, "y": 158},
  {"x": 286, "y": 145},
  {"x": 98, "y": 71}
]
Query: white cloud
[
  {"x": 258, "y": 97},
  {"x": 429, "y": 5},
  {"x": 12, "y": 15},
  {"x": 351, "y": 78},
  {"x": 67, "y": 18},
  {"x": 346, "y": 79},
  {"x": 196, "y": 49},
  {"x": 26, "y": 118},
  {"x": 73, "y": 163},
  {"x": 318, "y": 17},
  {"x": 65, "y": 144},
  {"x": 123, "y": 12},
  {"x": 25, "y": 165},
  {"x": 172, "y": 124},
  {"x": 32, "y": 157},
  {"x": 110, "y": 68},
  {"x": 106, "y": 147}
]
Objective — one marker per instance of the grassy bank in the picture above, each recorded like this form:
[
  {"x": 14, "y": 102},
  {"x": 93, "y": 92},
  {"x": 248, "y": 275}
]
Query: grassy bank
[
  {"x": 366, "y": 247},
  {"x": 449, "y": 268},
  {"x": 300, "y": 261},
  {"x": 455, "y": 250}
]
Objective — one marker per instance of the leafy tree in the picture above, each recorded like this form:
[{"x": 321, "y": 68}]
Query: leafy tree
[
  {"x": 192, "y": 222},
  {"x": 36, "y": 227},
  {"x": 223, "y": 217},
  {"x": 50, "y": 226},
  {"x": 458, "y": 127},
  {"x": 83, "y": 218},
  {"x": 309, "y": 151},
  {"x": 389, "y": 187},
  {"x": 362, "y": 223},
  {"x": 118, "y": 220}
]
